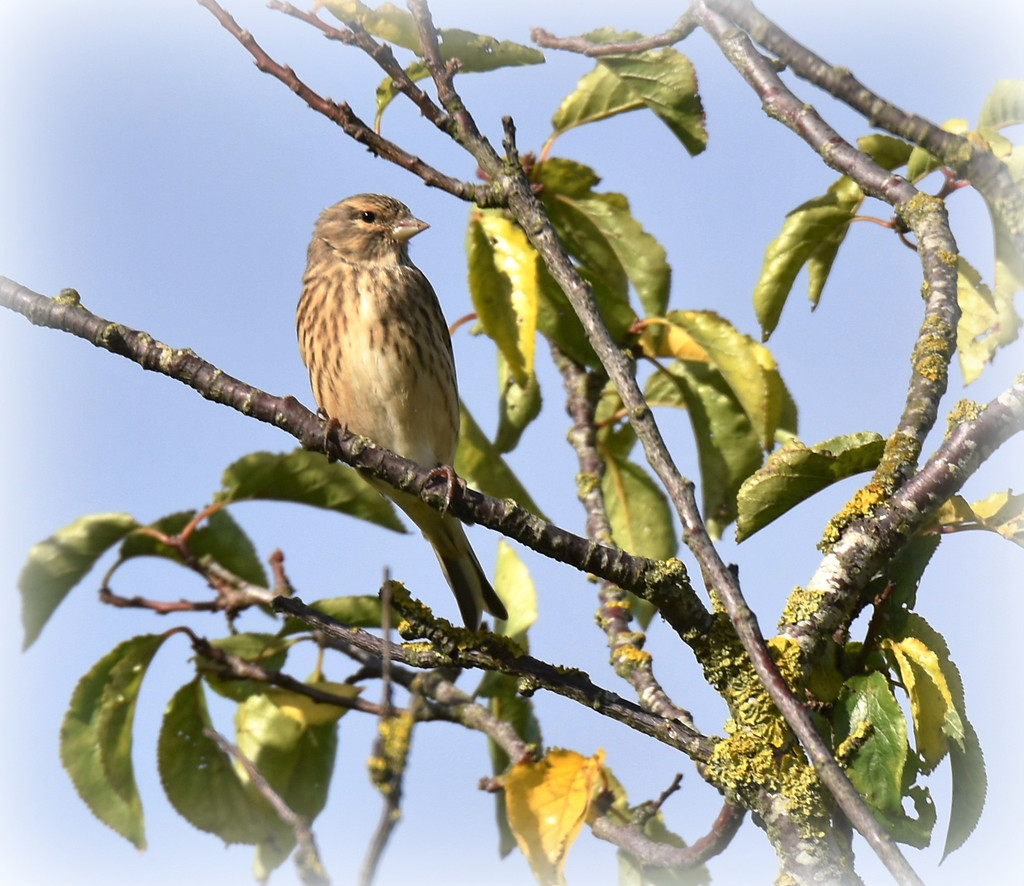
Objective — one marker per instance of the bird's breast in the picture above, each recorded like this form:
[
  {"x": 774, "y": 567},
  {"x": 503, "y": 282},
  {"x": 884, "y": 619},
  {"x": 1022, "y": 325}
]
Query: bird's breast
[{"x": 379, "y": 358}]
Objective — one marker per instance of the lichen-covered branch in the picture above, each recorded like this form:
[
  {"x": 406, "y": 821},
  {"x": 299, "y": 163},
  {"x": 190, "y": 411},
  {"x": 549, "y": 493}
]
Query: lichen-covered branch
[
  {"x": 628, "y": 657},
  {"x": 455, "y": 647},
  {"x": 828, "y": 601}
]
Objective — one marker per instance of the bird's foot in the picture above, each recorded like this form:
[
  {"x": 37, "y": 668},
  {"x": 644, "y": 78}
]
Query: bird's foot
[
  {"x": 330, "y": 426},
  {"x": 450, "y": 479}
]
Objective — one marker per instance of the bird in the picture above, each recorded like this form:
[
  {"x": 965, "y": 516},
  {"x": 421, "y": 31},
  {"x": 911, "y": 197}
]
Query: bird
[{"x": 374, "y": 339}]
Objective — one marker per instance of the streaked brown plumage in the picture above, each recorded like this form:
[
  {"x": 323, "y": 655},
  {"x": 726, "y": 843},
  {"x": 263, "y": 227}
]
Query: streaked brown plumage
[{"x": 380, "y": 361}]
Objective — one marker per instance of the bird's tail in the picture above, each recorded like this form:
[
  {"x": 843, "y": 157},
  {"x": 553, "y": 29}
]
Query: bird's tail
[{"x": 461, "y": 568}]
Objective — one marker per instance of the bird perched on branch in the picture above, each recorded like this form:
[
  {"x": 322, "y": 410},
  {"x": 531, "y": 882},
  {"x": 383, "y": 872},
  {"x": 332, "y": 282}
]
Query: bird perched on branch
[{"x": 380, "y": 361}]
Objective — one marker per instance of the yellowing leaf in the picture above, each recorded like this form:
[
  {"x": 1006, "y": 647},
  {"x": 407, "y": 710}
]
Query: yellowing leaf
[
  {"x": 931, "y": 704},
  {"x": 503, "y": 285},
  {"x": 747, "y": 366},
  {"x": 308, "y": 711},
  {"x": 1001, "y": 512},
  {"x": 675, "y": 342},
  {"x": 547, "y": 802},
  {"x": 979, "y": 321}
]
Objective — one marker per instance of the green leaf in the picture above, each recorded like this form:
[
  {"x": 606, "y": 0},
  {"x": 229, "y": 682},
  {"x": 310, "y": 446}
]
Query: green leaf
[
  {"x": 896, "y": 586},
  {"x": 478, "y": 53},
  {"x": 96, "y": 736},
  {"x": 660, "y": 79},
  {"x": 796, "y": 472},
  {"x": 599, "y": 95},
  {"x": 358, "y": 611},
  {"x": 220, "y": 538},
  {"x": 475, "y": 52},
  {"x": 728, "y": 448},
  {"x": 888, "y": 152},
  {"x": 747, "y": 366},
  {"x": 1004, "y": 105},
  {"x": 970, "y": 782},
  {"x": 516, "y": 589},
  {"x": 559, "y": 322},
  {"x": 267, "y": 650},
  {"x": 811, "y": 236},
  {"x": 56, "y": 565},
  {"x": 387, "y": 92},
  {"x": 600, "y": 232},
  {"x": 478, "y": 461},
  {"x": 518, "y": 406},
  {"x": 306, "y": 478},
  {"x": 503, "y": 285},
  {"x": 200, "y": 780},
  {"x": 297, "y": 761},
  {"x": 638, "y": 510},
  {"x": 867, "y": 706}
]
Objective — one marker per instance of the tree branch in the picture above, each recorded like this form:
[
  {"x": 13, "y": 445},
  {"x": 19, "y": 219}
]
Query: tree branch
[
  {"x": 869, "y": 543},
  {"x": 495, "y": 654},
  {"x": 631, "y": 838},
  {"x": 628, "y": 658},
  {"x": 683, "y": 27},
  {"x": 502, "y": 515},
  {"x": 986, "y": 172},
  {"x": 343, "y": 116}
]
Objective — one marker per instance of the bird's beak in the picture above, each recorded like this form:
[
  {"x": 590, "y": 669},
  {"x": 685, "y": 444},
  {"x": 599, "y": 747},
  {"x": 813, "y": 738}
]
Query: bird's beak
[{"x": 407, "y": 228}]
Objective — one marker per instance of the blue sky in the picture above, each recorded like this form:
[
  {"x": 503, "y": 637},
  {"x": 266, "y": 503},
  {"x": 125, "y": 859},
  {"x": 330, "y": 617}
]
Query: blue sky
[{"x": 147, "y": 163}]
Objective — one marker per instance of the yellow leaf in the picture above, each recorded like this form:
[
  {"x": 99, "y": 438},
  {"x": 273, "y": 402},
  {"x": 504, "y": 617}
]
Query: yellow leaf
[
  {"x": 931, "y": 703},
  {"x": 547, "y": 803}
]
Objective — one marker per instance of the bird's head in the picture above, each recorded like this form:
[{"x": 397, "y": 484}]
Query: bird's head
[{"x": 369, "y": 228}]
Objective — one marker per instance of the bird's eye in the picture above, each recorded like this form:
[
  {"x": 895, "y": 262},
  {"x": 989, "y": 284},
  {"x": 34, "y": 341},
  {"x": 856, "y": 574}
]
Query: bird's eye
[{"x": 368, "y": 216}]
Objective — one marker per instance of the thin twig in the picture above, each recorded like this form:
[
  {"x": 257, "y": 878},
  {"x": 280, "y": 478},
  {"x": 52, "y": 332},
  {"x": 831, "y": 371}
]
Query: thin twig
[
  {"x": 632, "y": 839},
  {"x": 679, "y": 31},
  {"x": 344, "y": 116},
  {"x": 307, "y": 859}
]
